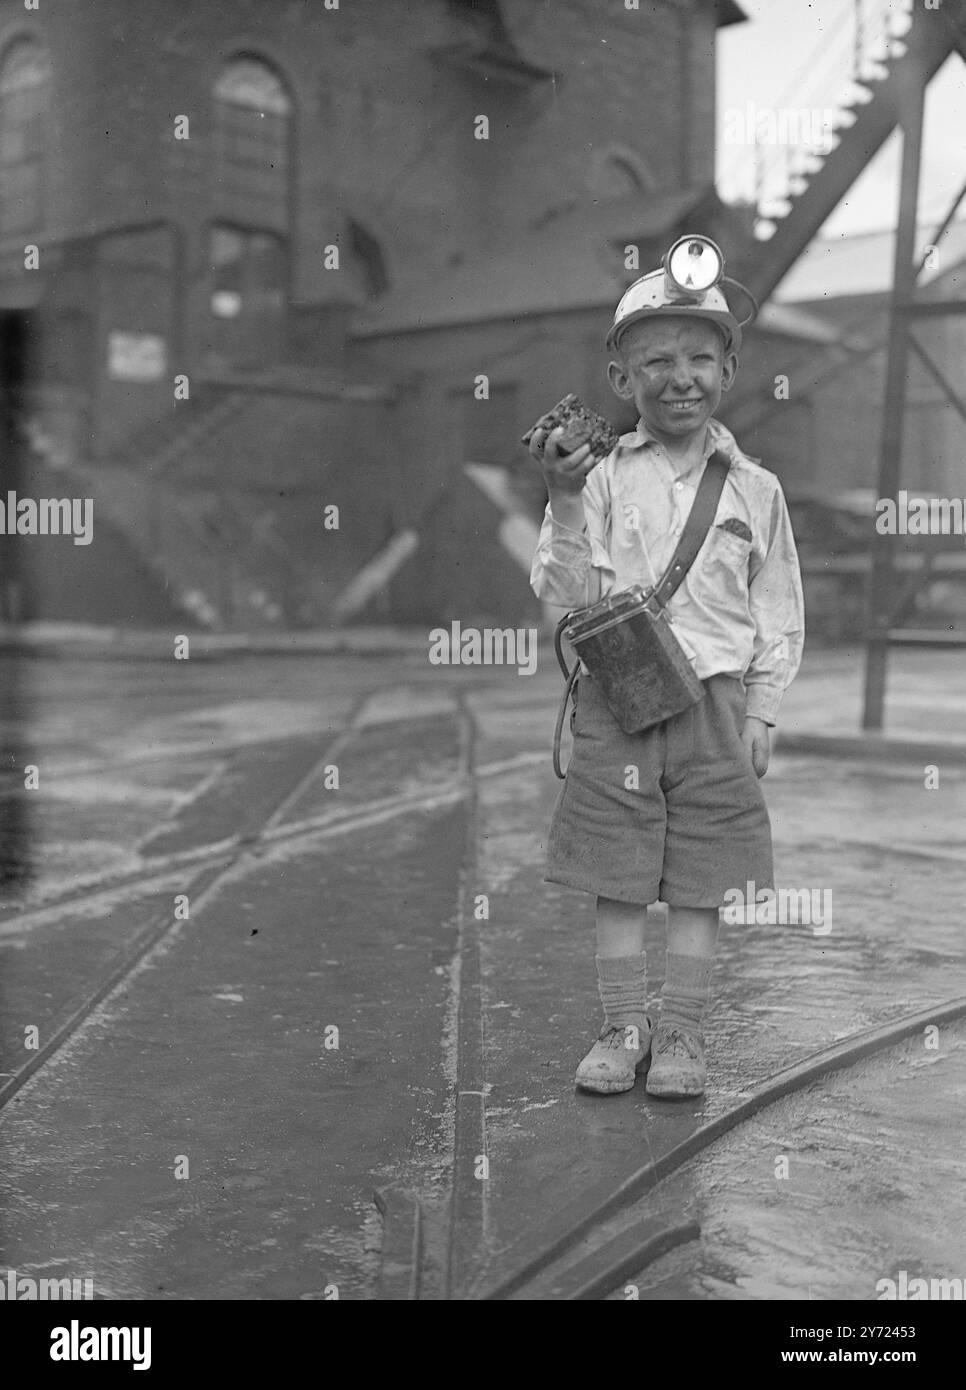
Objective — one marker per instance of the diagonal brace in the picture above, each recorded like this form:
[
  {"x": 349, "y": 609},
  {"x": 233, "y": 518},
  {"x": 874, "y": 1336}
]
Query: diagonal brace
[{"x": 946, "y": 386}]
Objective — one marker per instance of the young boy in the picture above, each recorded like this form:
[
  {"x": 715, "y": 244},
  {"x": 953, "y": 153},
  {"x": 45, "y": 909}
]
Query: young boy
[{"x": 674, "y": 813}]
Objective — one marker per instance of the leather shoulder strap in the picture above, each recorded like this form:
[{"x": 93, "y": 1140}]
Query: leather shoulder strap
[{"x": 696, "y": 527}]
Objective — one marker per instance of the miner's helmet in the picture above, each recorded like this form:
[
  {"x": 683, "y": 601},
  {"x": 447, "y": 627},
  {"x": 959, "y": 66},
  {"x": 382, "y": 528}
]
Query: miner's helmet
[{"x": 688, "y": 284}]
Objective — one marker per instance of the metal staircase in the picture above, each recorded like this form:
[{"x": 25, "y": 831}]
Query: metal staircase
[
  {"x": 816, "y": 179},
  {"x": 232, "y": 542},
  {"x": 155, "y": 446},
  {"x": 891, "y": 95},
  {"x": 206, "y": 551}
]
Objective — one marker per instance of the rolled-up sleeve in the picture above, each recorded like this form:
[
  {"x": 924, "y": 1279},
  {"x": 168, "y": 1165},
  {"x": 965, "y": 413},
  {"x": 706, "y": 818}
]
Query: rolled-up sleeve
[{"x": 778, "y": 609}]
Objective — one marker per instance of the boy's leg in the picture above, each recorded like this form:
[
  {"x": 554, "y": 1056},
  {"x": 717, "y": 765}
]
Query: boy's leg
[
  {"x": 624, "y": 1042},
  {"x": 620, "y": 928},
  {"x": 718, "y": 838},
  {"x": 678, "y": 1067}
]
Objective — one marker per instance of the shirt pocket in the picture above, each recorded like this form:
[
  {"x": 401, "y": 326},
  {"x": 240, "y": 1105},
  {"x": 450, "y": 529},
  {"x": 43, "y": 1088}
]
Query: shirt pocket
[{"x": 725, "y": 559}]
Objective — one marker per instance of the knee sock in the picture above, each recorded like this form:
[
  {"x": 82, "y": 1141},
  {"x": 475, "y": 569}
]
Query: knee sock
[
  {"x": 684, "y": 997},
  {"x": 622, "y": 983}
]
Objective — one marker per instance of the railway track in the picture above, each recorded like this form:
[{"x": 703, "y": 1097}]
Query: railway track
[
  {"x": 210, "y": 866},
  {"x": 583, "y": 1251},
  {"x": 588, "y": 1248},
  {"x": 559, "y": 1253},
  {"x": 633, "y": 1246}
]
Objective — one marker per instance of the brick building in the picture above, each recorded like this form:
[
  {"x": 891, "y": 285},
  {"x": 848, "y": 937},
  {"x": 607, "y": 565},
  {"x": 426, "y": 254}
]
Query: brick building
[{"x": 288, "y": 203}]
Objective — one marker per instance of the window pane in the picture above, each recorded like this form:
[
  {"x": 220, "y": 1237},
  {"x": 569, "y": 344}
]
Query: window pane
[
  {"x": 226, "y": 245},
  {"x": 24, "y": 67},
  {"x": 21, "y": 197},
  {"x": 251, "y": 145},
  {"x": 248, "y": 295},
  {"x": 24, "y": 90},
  {"x": 252, "y": 84}
]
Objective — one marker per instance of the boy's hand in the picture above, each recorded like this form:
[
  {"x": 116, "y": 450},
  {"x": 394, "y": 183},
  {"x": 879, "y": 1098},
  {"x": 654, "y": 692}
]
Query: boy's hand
[
  {"x": 563, "y": 473},
  {"x": 756, "y": 738}
]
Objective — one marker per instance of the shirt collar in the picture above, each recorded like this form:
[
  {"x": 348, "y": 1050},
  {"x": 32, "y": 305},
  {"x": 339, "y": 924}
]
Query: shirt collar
[{"x": 718, "y": 437}]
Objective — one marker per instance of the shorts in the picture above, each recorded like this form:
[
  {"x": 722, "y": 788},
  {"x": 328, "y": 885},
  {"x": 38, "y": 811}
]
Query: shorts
[{"x": 695, "y": 827}]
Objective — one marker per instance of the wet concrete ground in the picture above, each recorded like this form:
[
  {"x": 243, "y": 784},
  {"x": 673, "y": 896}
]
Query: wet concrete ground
[
  {"x": 874, "y": 1158},
  {"x": 891, "y": 855},
  {"x": 201, "y": 1135}
]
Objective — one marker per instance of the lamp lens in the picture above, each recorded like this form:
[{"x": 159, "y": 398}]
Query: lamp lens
[{"x": 695, "y": 263}]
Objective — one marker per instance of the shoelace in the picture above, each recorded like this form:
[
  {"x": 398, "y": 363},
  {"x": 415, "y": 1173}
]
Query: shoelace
[
  {"x": 614, "y": 1036},
  {"x": 679, "y": 1043}
]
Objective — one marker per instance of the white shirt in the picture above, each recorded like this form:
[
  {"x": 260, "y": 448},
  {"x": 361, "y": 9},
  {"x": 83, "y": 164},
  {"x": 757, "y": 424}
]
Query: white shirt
[{"x": 739, "y": 610}]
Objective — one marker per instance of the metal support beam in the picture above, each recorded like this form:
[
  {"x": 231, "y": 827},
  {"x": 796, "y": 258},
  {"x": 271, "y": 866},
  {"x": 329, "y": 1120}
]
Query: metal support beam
[
  {"x": 880, "y": 600},
  {"x": 943, "y": 227},
  {"x": 944, "y": 384},
  {"x": 930, "y": 308},
  {"x": 927, "y": 637},
  {"x": 911, "y": 589}
]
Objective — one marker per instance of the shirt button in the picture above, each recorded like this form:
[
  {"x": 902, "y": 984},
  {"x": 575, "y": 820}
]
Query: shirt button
[{"x": 679, "y": 486}]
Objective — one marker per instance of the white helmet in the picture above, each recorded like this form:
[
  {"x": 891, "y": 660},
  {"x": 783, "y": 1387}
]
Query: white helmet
[{"x": 686, "y": 285}]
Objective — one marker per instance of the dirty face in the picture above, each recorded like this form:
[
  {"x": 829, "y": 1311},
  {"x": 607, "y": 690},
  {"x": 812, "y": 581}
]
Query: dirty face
[{"x": 674, "y": 370}]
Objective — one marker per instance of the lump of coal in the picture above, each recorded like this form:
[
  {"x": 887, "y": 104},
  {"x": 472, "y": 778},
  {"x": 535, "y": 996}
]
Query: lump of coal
[{"x": 583, "y": 426}]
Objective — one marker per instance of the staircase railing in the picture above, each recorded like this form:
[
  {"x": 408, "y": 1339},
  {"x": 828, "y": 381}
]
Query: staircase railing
[
  {"x": 930, "y": 39},
  {"x": 822, "y": 102}
]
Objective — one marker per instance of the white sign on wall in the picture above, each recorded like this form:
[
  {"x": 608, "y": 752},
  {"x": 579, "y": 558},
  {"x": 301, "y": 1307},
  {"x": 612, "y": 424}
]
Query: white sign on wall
[{"x": 136, "y": 357}]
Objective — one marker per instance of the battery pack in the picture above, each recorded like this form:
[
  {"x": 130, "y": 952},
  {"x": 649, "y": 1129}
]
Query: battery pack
[{"x": 628, "y": 646}]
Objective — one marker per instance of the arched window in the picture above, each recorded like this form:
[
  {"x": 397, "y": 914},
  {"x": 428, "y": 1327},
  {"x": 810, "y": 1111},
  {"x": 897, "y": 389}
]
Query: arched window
[
  {"x": 252, "y": 147},
  {"x": 24, "y": 94},
  {"x": 249, "y": 236}
]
